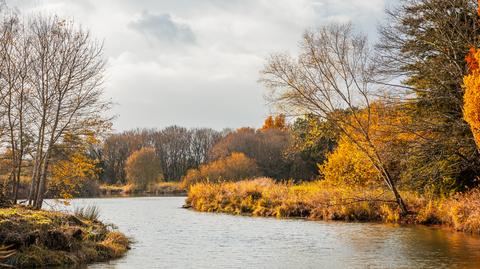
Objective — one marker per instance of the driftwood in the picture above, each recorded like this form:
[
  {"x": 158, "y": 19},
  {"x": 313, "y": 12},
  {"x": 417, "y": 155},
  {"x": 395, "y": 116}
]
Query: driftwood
[{"x": 5, "y": 253}]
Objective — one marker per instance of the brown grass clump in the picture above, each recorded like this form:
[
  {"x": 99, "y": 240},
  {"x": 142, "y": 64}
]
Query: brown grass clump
[
  {"x": 322, "y": 200},
  {"x": 462, "y": 211}
]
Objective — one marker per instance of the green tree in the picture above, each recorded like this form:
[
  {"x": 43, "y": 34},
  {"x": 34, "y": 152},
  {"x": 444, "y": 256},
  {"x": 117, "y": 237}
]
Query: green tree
[{"x": 313, "y": 140}]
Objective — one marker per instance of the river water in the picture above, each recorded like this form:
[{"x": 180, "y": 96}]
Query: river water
[{"x": 167, "y": 236}]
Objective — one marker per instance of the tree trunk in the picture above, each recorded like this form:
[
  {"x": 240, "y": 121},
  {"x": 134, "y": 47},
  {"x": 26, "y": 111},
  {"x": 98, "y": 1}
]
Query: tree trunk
[
  {"x": 393, "y": 188},
  {"x": 42, "y": 182},
  {"x": 33, "y": 190}
]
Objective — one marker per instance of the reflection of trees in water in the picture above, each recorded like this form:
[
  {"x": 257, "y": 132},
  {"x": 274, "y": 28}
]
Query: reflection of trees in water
[{"x": 410, "y": 247}]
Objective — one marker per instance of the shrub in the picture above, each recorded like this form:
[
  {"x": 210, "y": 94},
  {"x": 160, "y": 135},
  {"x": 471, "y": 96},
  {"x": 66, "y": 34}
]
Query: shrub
[
  {"x": 235, "y": 167},
  {"x": 462, "y": 211},
  {"x": 142, "y": 168},
  {"x": 348, "y": 165}
]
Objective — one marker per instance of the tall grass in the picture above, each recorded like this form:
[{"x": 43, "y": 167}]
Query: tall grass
[
  {"x": 90, "y": 212},
  {"x": 321, "y": 200}
]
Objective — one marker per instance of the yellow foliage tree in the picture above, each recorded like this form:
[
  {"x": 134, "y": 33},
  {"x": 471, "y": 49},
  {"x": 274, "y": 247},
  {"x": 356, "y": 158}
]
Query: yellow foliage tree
[
  {"x": 349, "y": 166},
  {"x": 74, "y": 172},
  {"x": 350, "y": 163},
  {"x": 472, "y": 94},
  {"x": 69, "y": 175}
]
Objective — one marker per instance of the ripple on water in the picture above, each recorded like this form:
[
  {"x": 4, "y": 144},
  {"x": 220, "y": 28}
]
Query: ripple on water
[{"x": 168, "y": 236}]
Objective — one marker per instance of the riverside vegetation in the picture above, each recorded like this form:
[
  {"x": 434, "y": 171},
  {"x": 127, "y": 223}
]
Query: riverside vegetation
[
  {"x": 393, "y": 129},
  {"x": 51, "y": 111},
  {"x": 362, "y": 132},
  {"x": 325, "y": 201},
  {"x": 40, "y": 238}
]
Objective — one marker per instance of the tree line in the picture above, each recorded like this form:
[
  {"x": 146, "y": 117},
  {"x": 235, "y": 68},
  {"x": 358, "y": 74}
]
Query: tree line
[{"x": 176, "y": 149}]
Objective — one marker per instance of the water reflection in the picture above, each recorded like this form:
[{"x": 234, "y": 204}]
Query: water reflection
[{"x": 171, "y": 237}]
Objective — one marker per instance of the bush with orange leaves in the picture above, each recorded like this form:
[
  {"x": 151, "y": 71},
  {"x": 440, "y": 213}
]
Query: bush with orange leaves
[
  {"x": 235, "y": 167},
  {"x": 472, "y": 94}
]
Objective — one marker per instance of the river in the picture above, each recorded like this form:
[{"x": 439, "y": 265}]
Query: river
[{"x": 167, "y": 236}]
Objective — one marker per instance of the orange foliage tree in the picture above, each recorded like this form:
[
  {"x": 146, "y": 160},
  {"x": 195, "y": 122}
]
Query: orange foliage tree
[
  {"x": 142, "y": 168},
  {"x": 235, "y": 167},
  {"x": 269, "y": 123},
  {"x": 274, "y": 123},
  {"x": 472, "y": 94}
]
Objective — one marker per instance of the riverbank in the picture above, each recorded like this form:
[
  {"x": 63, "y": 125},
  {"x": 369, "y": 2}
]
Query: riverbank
[
  {"x": 40, "y": 238},
  {"x": 323, "y": 201},
  {"x": 158, "y": 189}
]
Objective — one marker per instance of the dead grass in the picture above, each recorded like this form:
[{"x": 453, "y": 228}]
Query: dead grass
[
  {"x": 160, "y": 188},
  {"x": 323, "y": 201}
]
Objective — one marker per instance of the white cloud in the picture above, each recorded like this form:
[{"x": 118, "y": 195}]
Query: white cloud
[
  {"x": 162, "y": 27},
  {"x": 197, "y": 62}
]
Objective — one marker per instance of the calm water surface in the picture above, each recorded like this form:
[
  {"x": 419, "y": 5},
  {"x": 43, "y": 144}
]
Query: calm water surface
[{"x": 168, "y": 236}]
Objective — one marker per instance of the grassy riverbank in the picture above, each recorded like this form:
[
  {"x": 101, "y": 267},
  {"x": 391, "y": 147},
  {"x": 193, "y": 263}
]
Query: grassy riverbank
[
  {"x": 160, "y": 189},
  {"x": 47, "y": 238},
  {"x": 323, "y": 201}
]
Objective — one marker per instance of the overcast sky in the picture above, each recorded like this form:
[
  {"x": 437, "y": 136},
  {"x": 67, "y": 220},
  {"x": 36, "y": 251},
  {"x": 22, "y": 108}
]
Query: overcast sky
[{"x": 196, "y": 63}]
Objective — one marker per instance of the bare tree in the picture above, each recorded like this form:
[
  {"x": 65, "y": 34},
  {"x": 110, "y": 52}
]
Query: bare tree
[
  {"x": 15, "y": 62},
  {"x": 66, "y": 78},
  {"x": 333, "y": 72}
]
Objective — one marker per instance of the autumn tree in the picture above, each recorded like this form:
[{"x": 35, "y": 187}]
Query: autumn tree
[
  {"x": 280, "y": 122},
  {"x": 115, "y": 152},
  {"x": 51, "y": 75},
  {"x": 472, "y": 94},
  {"x": 66, "y": 77},
  {"x": 349, "y": 166},
  {"x": 234, "y": 167},
  {"x": 268, "y": 147},
  {"x": 423, "y": 45},
  {"x": 333, "y": 71},
  {"x": 277, "y": 122},
  {"x": 268, "y": 123},
  {"x": 313, "y": 140},
  {"x": 142, "y": 168},
  {"x": 74, "y": 171}
]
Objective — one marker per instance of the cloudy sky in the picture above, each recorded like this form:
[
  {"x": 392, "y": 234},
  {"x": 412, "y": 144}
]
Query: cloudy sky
[{"x": 196, "y": 63}]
